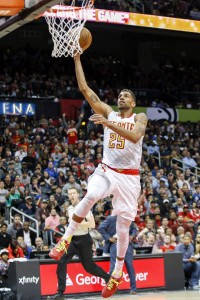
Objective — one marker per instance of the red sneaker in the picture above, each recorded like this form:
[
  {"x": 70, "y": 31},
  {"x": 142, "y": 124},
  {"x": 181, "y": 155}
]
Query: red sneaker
[
  {"x": 59, "y": 249},
  {"x": 111, "y": 287}
]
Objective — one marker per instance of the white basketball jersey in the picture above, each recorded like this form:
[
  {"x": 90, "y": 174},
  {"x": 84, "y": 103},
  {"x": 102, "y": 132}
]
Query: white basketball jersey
[{"x": 118, "y": 152}]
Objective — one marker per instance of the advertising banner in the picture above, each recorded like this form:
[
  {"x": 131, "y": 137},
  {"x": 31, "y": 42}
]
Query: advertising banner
[
  {"x": 79, "y": 281},
  {"x": 126, "y": 18}
]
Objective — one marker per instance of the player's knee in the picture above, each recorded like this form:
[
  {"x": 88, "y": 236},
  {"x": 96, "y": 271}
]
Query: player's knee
[{"x": 92, "y": 197}]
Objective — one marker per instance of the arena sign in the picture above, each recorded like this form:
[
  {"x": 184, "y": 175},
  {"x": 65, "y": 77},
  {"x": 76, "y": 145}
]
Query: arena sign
[
  {"x": 16, "y": 109},
  {"x": 126, "y": 18},
  {"x": 79, "y": 281}
]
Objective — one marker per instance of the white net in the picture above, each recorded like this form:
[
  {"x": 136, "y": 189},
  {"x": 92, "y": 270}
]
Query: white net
[{"x": 65, "y": 24}]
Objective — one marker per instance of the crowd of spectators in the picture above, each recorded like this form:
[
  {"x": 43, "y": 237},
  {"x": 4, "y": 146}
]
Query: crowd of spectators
[
  {"x": 186, "y": 9},
  {"x": 173, "y": 83}
]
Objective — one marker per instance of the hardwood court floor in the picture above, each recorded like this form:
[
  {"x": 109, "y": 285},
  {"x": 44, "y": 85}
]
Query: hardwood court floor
[{"x": 161, "y": 295}]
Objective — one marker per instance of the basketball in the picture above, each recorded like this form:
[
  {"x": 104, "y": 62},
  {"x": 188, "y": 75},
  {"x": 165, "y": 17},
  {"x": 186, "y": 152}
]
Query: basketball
[{"x": 85, "y": 39}]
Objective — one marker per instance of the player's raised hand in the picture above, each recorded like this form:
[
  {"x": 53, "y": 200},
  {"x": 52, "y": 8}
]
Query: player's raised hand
[{"x": 99, "y": 119}]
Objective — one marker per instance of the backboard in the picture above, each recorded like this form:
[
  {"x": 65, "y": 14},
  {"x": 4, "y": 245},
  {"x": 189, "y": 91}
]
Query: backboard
[{"x": 16, "y": 13}]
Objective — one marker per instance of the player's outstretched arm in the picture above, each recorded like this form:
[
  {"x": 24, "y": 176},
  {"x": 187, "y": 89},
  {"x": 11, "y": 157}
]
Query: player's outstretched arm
[{"x": 97, "y": 105}]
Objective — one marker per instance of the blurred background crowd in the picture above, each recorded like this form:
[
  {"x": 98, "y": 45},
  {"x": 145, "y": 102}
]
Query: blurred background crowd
[{"x": 29, "y": 73}]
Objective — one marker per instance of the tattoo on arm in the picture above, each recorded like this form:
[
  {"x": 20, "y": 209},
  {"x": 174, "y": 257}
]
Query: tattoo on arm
[
  {"x": 94, "y": 98},
  {"x": 140, "y": 130},
  {"x": 142, "y": 120}
]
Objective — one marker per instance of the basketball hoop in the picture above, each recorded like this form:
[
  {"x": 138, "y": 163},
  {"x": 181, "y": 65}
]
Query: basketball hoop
[{"x": 65, "y": 24}]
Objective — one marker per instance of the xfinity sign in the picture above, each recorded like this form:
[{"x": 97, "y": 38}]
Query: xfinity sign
[
  {"x": 24, "y": 280},
  {"x": 16, "y": 109}
]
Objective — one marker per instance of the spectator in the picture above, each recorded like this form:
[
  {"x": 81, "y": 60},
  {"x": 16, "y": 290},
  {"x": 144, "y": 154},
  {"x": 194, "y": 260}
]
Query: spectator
[
  {"x": 7, "y": 182},
  {"x": 64, "y": 165},
  {"x": 54, "y": 204},
  {"x": 13, "y": 198},
  {"x": 153, "y": 148},
  {"x": 28, "y": 235},
  {"x": 52, "y": 221},
  {"x": 46, "y": 183},
  {"x": 167, "y": 246},
  {"x": 196, "y": 195},
  {"x": 172, "y": 219},
  {"x": 149, "y": 240},
  {"x": 190, "y": 265},
  {"x": 15, "y": 251},
  {"x": 21, "y": 153},
  {"x": 72, "y": 136},
  {"x": 5, "y": 238},
  {"x": 28, "y": 207},
  {"x": 26, "y": 249},
  {"x": 56, "y": 155},
  {"x": 185, "y": 213},
  {"x": 188, "y": 162},
  {"x": 71, "y": 184},
  {"x": 13, "y": 227},
  {"x": 165, "y": 208},
  {"x": 197, "y": 250},
  {"x": 51, "y": 170},
  {"x": 4, "y": 264},
  {"x": 35, "y": 189},
  {"x": 196, "y": 213},
  {"x": 58, "y": 196},
  {"x": 25, "y": 178},
  {"x": 180, "y": 222},
  {"x": 164, "y": 225},
  {"x": 42, "y": 213},
  {"x": 60, "y": 229},
  {"x": 190, "y": 223},
  {"x": 61, "y": 179},
  {"x": 3, "y": 194},
  {"x": 38, "y": 244},
  {"x": 181, "y": 180},
  {"x": 178, "y": 205}
]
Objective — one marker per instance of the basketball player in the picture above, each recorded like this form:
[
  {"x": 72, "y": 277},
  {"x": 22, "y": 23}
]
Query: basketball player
[{"x": 118, "y": 174}]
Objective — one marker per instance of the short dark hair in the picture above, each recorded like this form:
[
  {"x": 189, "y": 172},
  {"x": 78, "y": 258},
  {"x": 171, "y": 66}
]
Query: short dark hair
[{"x": 130, "y": 92}]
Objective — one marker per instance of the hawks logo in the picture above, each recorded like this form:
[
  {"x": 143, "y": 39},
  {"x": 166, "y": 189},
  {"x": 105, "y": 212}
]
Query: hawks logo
[{"x": 157, "y": 113}]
